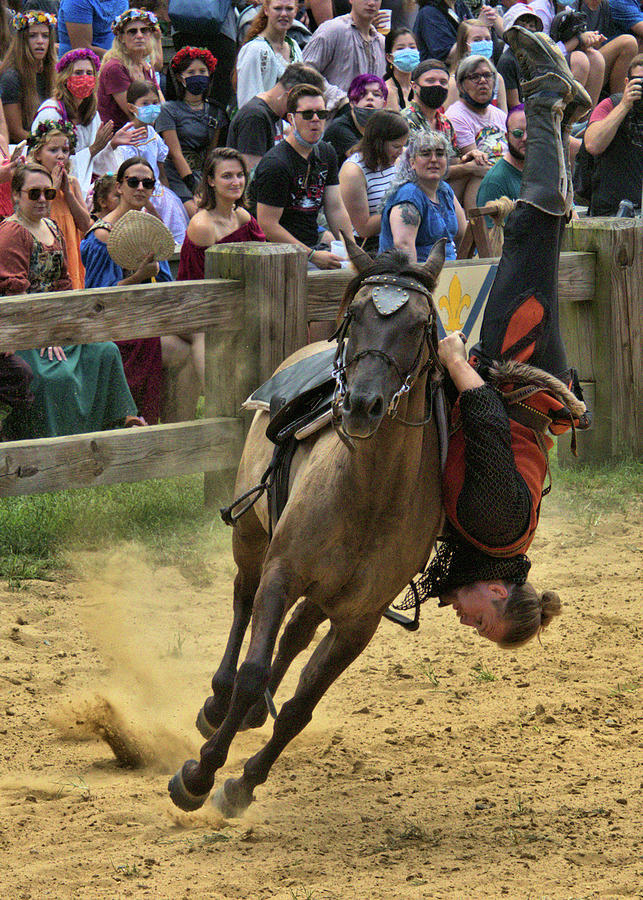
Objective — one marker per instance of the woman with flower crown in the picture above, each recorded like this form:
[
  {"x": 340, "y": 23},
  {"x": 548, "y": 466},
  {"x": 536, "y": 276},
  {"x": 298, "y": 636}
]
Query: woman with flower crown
[
  {"x": 27, "y": 72},
  {"x": 190, "y": 125},
  {"x": 74, "y": 100},
  {"x": 126, "y": 62}
]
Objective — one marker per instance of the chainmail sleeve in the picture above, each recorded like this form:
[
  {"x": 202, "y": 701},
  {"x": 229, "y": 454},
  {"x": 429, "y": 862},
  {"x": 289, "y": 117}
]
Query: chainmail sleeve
[{"x": 494, "y": 505}]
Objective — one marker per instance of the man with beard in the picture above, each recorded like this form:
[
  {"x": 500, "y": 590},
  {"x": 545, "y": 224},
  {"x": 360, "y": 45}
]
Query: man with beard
[{"x": 505, "y": 178}]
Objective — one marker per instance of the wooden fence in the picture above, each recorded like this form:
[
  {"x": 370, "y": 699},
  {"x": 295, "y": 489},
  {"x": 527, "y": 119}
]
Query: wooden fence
[{"x": 255, "y": 306}]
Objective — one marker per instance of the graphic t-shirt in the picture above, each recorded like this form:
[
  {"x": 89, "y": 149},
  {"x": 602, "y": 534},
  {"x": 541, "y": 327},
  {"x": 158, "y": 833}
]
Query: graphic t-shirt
[
  {"x": 484, "y": 129},
  {"x": 287, "y": 180}
]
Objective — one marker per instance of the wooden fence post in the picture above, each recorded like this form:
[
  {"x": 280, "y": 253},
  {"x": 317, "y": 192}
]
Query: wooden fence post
[
  {"x": 274, "y": 324},
  {"x": 608, "y": 328}
]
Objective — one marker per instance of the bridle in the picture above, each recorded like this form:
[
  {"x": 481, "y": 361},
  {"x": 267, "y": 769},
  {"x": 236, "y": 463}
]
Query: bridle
[{"x": 391, "y": 292}]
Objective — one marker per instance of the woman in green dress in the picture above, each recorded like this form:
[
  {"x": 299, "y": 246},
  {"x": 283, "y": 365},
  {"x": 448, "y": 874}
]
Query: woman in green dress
[{"x": 76, "y": 388}]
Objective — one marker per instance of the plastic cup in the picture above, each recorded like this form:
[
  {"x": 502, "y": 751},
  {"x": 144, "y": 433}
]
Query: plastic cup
[
  {"x": 384, "y": 24},
  {"x": 338, "y": 248}
]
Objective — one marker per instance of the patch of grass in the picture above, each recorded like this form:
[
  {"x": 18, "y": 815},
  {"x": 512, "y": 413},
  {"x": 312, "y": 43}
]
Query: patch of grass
[
  {"x": 126, "y": 871},
  {"x": 621, "y": 689},
  {"x": 427, "y": 669},
  {"x": 482, "y": 674},
  {"x": 175, "y": 650},
  {"x": 167, "y": 516},
  {"x": 590, "y": 491},
  {"x": 77, "y": 783}
]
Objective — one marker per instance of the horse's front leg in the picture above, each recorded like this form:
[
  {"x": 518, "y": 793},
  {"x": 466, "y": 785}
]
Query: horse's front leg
[
  {"x": 297, "y": 635},
  {"x": 333, "y": 654},
  {"x": 190, "y": 787},
  {"x": 249, "y": 543}
]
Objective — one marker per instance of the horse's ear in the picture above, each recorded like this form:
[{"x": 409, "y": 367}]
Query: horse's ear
[
  {"x": 435, "y": 261},
  {"x": 360, "y": 259}
]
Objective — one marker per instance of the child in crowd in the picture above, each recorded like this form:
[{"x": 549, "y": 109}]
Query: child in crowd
[
  {"x": 103, "y": 197},
  {"x": 144, "y": 103},
  {"x": 51, "y": 146}
]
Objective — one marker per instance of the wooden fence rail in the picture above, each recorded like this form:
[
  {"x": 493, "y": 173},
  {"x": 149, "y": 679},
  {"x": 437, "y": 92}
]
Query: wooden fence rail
[{"x": 254, "y": 307}]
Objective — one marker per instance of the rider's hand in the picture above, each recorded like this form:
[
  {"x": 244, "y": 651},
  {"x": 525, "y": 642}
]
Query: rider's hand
[{"x": 452, "y": 349}]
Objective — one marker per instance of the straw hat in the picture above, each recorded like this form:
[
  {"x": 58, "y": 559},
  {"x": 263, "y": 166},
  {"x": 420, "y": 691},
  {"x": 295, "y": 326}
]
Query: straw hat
[{"x": 137, "y": 235}]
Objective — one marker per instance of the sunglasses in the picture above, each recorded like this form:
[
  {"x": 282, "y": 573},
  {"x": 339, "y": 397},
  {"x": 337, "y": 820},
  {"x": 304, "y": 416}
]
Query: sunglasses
[
  {"x": 148, "y": 183},
  {"x": 478, "y": 77},
  {"x": 35, "y": 193},
  {"x": 308, "y": 114},
  {"x": 439, "y": 153},
  {"x": 144, "y": 30},
  {"x": 517, "y": 132}
]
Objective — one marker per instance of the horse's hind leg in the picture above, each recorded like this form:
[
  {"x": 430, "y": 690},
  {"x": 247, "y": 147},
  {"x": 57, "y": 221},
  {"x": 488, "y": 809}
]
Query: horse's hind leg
[
  {"x": 297, "y": 635},
  {"x": 334, "y": 654},
  {"x": 190, "y": 786},
  {"x": 249, "y": 542}
]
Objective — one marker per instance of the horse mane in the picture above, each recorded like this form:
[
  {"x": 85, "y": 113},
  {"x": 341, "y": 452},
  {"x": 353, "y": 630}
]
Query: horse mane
[{"x": 391, "y": 262}]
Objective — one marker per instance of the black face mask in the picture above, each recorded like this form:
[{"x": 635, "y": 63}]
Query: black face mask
[
  {"x": 433, "y": 95},
  {"x": 473, "y": 103}
]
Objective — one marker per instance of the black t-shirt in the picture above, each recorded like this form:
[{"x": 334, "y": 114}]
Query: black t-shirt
[
  {"x": 599, "y": 19},
  {"x": 253, "y": 130},
  {"x": 342, "y": 134},
  {"x": 287, "y": 180},
  {"x": 510, "y": 71},
  {"x": 11, "y": 87},
  {"x": 618, "y": 171}
]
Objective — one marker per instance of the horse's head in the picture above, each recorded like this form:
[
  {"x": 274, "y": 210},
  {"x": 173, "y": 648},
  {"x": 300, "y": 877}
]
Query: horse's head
[{"x": 386, "y": 335}]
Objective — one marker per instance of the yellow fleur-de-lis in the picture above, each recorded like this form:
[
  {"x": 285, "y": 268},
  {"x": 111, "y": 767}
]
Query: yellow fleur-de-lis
[{"x": 454, "y": 304}]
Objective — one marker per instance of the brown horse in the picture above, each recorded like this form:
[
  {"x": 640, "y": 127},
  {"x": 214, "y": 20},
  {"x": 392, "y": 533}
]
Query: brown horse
[{"x": 359, "y": 523}]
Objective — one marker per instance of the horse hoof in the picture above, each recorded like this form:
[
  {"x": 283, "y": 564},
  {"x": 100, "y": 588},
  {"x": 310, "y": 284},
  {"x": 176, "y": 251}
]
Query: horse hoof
[
  {"x": 223, "y": 802},
  {"x": 180, "y": 795},
  {"x": 256, "y": 716},
  {"x": 204, "y": 727}
]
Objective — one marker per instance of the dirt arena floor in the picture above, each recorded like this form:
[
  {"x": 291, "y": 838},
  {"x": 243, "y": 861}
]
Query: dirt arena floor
[{"x": 437, "y": 767}]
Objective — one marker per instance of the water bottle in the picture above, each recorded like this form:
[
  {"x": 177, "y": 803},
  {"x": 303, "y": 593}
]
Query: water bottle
[{"x": 625, "y": 210}]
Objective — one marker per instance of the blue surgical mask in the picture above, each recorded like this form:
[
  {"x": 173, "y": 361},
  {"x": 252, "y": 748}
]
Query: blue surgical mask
[
  {"x": 482, "y": 48},
  {"x": 197, "y": 85},
  {"x": 406, "y": 60},
  {"x": 149, "y": 114},
  {"x": 303, "y": 141}
]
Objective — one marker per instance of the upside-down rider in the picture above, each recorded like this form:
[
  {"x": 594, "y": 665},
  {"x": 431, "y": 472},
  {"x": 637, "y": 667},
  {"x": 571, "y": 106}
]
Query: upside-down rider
[{"x": 497, "y": 459}]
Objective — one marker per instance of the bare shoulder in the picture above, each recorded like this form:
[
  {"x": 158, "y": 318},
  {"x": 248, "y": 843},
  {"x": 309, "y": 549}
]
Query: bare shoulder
[
  {"x": 243, "y": 216},
  {"x": 201, "y": 229}
]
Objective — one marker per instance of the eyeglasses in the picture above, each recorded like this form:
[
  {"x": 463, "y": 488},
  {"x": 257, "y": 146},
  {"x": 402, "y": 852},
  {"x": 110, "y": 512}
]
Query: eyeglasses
[
  {"x": 143, "y": 30},
  {"x": 148, "y": 183},
  {"x": 518, "y": 132},
  {"x": 438, "y": 152},
  {"x": 36, "y": 193},
  {"x": 308, "y": 114},
  {"x": 478, "y": 77}
]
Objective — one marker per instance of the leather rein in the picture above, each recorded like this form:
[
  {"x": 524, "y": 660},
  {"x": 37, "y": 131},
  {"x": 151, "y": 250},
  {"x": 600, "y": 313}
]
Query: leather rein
[{"x": 407, "y": 378}]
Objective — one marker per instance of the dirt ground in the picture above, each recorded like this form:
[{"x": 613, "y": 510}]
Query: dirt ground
[{"x": 438, "y": 766}]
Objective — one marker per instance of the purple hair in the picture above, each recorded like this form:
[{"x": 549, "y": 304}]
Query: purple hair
[
  {"x": 519, "y": 107},
  {"x": 357, "y": 87}
]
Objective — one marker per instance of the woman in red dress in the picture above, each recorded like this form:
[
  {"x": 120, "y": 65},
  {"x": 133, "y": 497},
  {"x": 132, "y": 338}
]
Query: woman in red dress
[{"x": 221, "y": 219}]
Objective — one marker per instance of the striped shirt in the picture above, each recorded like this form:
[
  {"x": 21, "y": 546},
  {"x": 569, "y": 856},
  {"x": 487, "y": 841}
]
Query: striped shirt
[{"x": 377, "y": 182}]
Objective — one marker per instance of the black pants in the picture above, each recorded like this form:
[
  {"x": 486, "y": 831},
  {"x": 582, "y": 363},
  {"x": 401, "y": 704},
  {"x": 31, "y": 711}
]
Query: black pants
[
  {"x": 15, "y": 378},
  {"x": 521, "y": 317}
]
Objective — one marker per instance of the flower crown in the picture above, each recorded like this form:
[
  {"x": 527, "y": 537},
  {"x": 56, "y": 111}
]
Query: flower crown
[
  {"x": 72, "y": 56},
  {"x": 39, "y": 135},
  {"x": 190, "y": 53},
  {"x": 23, "y": 20},
  {"x": 131, "y": 15}
]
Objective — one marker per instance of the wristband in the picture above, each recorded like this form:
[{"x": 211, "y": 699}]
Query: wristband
[{"x": 310, "y": 254}]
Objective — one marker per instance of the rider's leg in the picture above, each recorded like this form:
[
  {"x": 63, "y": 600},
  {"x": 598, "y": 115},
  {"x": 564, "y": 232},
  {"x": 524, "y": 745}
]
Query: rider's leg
[{"x": 521, "y": 317}]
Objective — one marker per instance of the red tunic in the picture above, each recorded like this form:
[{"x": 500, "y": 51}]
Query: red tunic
[{"x": 192, "y": 259}]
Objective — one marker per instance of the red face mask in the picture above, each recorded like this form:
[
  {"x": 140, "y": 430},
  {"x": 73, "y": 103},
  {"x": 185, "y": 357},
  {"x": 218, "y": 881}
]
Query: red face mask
[{"x": 81, "y": 86}]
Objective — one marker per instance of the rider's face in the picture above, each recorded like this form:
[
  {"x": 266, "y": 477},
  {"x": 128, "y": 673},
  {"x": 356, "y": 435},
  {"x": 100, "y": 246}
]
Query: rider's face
[{"x": 481, "y": 606}]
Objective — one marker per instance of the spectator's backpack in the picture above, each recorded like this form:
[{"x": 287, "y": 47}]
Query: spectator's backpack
[{"x": 204, "y": 18}]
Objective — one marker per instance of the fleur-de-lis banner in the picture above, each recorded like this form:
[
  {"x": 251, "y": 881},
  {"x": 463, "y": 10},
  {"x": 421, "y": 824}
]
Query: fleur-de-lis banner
[{"x": 460, "y": 297}]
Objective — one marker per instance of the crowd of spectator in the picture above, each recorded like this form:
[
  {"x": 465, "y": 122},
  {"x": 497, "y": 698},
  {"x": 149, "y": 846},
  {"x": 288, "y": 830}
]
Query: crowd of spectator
[{"x": 283, "y": 122}]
